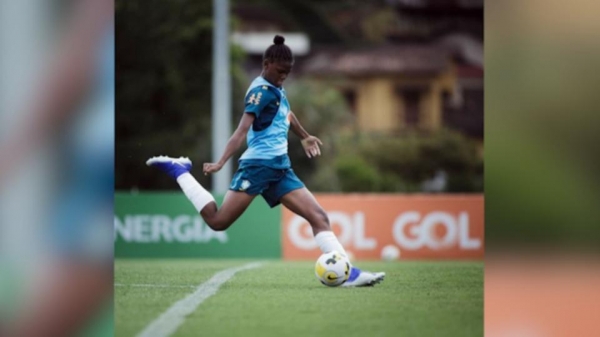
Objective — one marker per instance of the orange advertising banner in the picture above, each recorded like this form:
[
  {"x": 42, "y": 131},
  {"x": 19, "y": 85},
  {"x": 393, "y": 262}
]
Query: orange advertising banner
[{"x": 420, "y": 226}]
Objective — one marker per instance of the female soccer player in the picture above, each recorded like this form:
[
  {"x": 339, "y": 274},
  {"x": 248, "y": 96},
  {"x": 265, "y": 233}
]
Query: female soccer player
[{"x": 265, "y": 167}]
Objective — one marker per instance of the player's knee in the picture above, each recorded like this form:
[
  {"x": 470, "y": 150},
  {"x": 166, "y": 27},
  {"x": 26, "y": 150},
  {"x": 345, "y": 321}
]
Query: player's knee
[
  {"x": 217, "y": 224},
  {"x": 220, "y": 228}
]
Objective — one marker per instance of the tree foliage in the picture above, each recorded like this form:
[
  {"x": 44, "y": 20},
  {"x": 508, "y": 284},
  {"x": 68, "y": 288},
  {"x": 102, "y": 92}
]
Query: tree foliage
[
  {"x": 163, "y": 82},
  {"x": 404, "y": 161}
]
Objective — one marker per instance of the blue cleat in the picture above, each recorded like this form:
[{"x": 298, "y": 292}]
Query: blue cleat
[
  {"x": 174, "y": 167},
  {"x": 359, "y": 278}
]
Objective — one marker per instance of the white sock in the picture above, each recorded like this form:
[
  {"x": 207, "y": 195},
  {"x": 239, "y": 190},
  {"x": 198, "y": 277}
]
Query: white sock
[
  {"x": 194, "y": 191},
  {"x": 327, "y": 241}
]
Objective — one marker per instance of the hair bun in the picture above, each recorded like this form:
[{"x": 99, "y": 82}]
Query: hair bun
[{"x": 278, "y": 39}]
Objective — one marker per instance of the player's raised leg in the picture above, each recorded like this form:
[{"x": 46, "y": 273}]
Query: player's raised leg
[
  {"x": 218, "y": 219},
  {"x": 302, "y": 202},
  {"x": 234, "y": 204}
]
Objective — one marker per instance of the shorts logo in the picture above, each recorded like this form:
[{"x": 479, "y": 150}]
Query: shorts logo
[{"x": 245, "y": 185}]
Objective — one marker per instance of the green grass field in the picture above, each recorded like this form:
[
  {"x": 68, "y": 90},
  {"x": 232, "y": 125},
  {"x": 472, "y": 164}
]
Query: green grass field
[{"x": 285, "y": 299}]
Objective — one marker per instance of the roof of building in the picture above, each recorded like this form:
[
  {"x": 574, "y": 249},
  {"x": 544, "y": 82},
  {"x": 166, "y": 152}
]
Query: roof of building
[
  {"x": 389, "y": 59},
  {"x": 437, "y": 4}
]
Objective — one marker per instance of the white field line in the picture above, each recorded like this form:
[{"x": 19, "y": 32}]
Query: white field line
[
  {"x": 153, "y": 285},
  {"x": 169, "y": 321}
]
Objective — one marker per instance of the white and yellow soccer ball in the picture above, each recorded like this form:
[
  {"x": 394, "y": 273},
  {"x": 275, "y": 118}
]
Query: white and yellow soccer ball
[{"x": 332, "y": 269}]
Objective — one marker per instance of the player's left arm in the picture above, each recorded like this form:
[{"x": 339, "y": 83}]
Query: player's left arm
[{"x": 309, "y": 143}]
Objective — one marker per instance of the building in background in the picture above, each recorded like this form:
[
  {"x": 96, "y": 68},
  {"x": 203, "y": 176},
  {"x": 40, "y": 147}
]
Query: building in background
[
  {"x": 401, "y": 64},
  {"x": 392, "y": 87}
]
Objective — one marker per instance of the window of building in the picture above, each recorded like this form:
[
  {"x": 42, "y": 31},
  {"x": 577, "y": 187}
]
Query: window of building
[
  {"x": 468, "y": 116},
  {"x": 350, "y": 96},
  {"x": 411, "y": 98}
]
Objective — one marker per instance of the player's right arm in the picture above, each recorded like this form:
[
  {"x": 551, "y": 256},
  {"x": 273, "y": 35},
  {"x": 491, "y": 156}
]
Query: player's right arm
[
  {"x": 258, "y": 101},
  {"x": 233, "y": 144}
]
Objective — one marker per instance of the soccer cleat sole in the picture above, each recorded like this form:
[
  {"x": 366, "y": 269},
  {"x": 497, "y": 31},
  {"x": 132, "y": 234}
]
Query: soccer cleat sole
[
  {"x": 371, "y": 283},
  {"x": 376, "y": 281},
  {"x": 166, "y": 159}
]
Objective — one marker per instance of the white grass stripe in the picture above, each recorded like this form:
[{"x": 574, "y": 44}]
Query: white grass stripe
[
  {"x": 167, "y": 323},
  {"x": 152, "y": 285}
]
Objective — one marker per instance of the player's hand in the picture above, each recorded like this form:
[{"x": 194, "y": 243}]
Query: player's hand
[
  {"x": 211, "y": 168},
  {"x": 311, "y": 146}
]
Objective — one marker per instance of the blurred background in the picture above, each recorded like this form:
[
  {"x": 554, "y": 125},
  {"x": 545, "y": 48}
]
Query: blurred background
[
  {"x": 57, "y": 167},
  {"x": 541, "y": 162}
]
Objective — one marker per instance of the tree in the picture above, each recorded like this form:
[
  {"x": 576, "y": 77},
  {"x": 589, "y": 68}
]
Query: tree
[{"x": 164, "y": 88}]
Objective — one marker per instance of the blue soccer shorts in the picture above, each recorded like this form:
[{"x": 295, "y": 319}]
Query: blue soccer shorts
[{"x": 271, "y": 183}]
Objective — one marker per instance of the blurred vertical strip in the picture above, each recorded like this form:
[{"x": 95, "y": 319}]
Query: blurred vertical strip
[
  {"x": 542, "y": 189},
  {"x": 56, "y": 167},
  {"x": 541, "y": 114}
]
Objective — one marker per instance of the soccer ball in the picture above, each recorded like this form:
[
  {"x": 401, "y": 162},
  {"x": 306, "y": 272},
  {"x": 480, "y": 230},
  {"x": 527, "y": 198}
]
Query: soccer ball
[
  {"x": 390, "y": 253},
  {"x": 332, "y": 269}
]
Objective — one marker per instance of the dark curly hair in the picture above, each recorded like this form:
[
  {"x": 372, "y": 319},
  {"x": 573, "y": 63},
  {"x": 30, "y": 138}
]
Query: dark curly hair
[{"x": 278, "y": 51}]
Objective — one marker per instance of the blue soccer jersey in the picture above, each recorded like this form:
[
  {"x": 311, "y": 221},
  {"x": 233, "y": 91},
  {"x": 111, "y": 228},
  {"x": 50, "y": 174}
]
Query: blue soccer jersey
[
  {"x": 267, "y": 138},
  {"x": 265, "y": 166}
]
